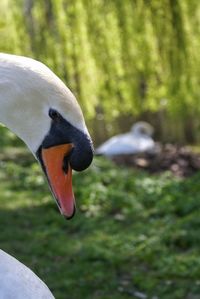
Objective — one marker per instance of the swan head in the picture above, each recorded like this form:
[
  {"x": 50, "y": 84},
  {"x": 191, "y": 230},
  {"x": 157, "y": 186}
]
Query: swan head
[
  {"x": 42, "y": 111},
  {"x": 142, "y": 128}
]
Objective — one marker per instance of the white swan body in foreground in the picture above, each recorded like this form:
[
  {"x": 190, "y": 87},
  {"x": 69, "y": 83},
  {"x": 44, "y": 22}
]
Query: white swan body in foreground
[
  {"x": 19, "y": 282},
  {"x": 136, "y": 141},
  {"x": 37, "y": 106}
]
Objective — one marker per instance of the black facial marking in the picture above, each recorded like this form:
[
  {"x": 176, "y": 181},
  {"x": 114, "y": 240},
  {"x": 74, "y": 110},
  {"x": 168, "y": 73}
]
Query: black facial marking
[
  {"x": 62, "y": 132},
  {"x": 54, "y": 115}
]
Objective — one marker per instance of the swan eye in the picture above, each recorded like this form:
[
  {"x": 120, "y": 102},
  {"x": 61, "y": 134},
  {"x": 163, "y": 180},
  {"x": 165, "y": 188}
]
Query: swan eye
[{"x": 53, "y": 114}]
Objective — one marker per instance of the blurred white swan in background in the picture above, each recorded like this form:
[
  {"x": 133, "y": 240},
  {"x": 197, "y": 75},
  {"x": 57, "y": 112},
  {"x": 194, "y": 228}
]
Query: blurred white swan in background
[{"x": 136, "y": 141}]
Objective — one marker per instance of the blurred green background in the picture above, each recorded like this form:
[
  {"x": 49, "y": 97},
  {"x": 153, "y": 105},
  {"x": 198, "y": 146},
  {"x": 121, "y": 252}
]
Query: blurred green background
[
  {"x": 123, "y": 59},
  {"x": 135, "y": 235}
]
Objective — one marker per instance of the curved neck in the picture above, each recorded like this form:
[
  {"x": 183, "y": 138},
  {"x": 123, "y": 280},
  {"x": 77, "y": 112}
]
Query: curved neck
[{"x": 21, "y": 104}]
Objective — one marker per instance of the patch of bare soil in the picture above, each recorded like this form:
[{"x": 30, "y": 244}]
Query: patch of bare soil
[{"x": 179, "y": 160}]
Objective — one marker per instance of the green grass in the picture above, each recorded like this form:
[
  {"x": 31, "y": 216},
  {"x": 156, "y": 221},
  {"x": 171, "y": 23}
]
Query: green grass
[{"x": 132, "y": 232}]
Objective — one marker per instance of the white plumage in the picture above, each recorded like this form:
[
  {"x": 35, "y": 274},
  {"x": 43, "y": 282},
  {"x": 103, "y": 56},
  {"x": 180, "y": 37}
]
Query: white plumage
[
  {"x": 19, "y": 282},
  {"x": 136, "y": 141}
]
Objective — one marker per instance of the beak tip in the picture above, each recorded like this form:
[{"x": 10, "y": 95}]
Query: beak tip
[{"x": 67, "y": 217}]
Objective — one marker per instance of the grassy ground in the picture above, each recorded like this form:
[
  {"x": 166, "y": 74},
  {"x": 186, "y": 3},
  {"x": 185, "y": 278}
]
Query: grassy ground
[{"x": 134, "y": 235}]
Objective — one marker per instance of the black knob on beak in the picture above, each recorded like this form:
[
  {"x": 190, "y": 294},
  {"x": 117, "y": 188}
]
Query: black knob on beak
[{"x": 82, "y": 153}]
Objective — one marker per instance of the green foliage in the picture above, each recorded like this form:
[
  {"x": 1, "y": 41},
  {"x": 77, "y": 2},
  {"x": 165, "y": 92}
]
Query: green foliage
[
  {"x": 7, "y": 138},
  {"x": 132, "y": 232},
  {"x": 118, "y": 57}
]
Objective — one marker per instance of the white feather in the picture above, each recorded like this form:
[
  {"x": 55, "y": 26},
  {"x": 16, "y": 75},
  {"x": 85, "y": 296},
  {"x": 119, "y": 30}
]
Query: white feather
[{"x": 19, "y": 282}]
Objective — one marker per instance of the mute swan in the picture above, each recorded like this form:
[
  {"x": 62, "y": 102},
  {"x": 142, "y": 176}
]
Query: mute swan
[
  {"x": 37, "y": 106},
  {"x": 136, "y": 141}
]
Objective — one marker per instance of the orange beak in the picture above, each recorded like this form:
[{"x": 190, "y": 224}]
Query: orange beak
[{"x": 60, "y": 180}]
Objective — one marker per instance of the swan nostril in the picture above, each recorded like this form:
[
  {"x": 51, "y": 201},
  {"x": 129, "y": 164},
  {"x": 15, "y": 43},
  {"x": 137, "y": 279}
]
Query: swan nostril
[{"x": 66, "y": 162}]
